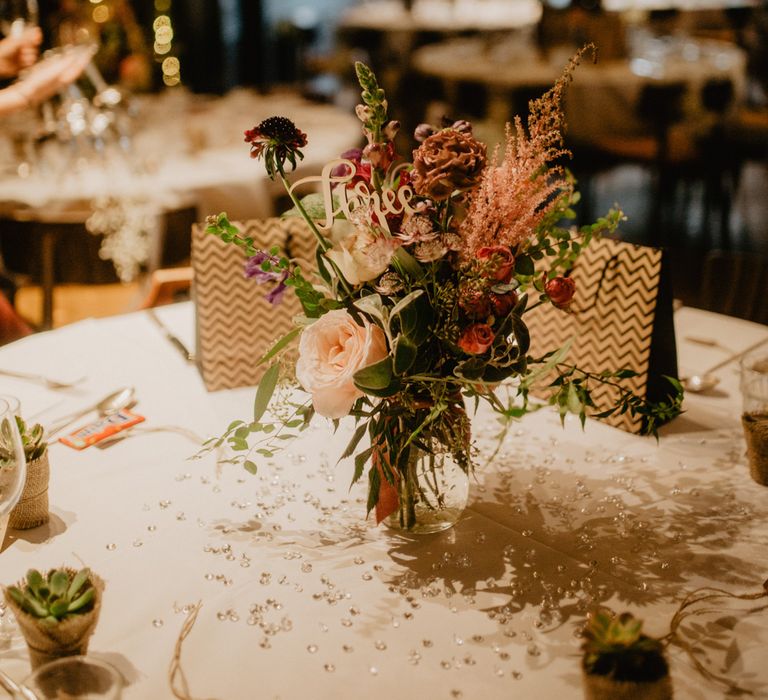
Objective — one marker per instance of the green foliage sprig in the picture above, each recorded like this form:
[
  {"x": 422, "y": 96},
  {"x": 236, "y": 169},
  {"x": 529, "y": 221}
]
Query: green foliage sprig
[
  {"x": 54, "y": 597},
  {"x": 616, "y": 647}
]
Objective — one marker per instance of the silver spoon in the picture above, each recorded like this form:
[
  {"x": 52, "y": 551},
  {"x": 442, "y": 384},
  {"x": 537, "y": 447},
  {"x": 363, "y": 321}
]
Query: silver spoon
[
  {"x": 41, "y": 379},
  {"x": 706, "y": 381},
  {"x": 109, "y": 405}
]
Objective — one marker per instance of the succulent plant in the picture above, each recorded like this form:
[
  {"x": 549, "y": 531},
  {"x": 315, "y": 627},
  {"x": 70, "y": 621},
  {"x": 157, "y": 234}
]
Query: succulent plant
[
  {"x": 32, "y": 438},
  {"x": 55, "y": 596},
  {"x": 616, "y": 647}
]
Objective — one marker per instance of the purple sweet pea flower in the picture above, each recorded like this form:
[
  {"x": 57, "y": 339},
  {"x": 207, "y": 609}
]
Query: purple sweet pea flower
[{"x": 254, "y": 269}]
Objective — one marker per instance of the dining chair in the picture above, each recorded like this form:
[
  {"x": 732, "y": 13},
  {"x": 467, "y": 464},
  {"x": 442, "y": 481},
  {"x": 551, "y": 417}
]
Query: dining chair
[
  {"x": 659, "y": 107},
  {"x": 736, "y": 284},
  {"x": 167, "y": 286},
  {"x": 717, "y": 166}
]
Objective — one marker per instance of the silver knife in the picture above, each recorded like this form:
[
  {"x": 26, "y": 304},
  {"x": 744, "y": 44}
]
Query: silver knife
[{"x": 172, "y": 339}]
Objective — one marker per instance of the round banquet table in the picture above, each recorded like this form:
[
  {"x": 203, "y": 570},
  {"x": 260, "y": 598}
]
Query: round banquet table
[
  {"x": 303, "y": 598},
  {"x": 452, "y": 17},
  {"x": 184, "y": 149},
  {"x": 602, "y": 98}
]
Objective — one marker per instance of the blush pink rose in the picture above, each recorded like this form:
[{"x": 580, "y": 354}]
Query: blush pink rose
[
  {"x": 476, "y": 339},
  {"x": 331, "y": 350}
]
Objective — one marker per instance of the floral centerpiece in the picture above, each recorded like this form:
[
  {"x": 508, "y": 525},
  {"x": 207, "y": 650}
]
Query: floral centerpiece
[{"x": 425, "y": 270}]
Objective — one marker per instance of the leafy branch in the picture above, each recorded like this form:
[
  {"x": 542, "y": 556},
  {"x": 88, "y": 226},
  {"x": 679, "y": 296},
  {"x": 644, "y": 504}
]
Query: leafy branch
[{"x": 573, "y": 395}]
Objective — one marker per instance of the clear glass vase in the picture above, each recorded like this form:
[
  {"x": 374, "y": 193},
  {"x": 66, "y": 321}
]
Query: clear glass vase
[{"x": 432, "y": 493}]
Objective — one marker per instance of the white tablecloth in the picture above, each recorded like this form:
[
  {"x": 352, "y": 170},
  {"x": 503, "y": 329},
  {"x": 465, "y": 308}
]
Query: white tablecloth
[{"x": 304, "y": 598}]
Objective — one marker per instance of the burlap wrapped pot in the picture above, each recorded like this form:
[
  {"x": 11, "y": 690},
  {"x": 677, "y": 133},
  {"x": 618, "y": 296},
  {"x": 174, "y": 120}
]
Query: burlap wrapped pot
[
  {"x": 756, "y": 434},
  {"x": 69, "y": 637},
  {"x": 598, "y": 687},
  {"x": 32, "y": 508}
]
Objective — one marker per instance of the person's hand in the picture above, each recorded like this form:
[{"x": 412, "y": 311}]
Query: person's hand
[
  {"x": 52, "y": 74},
  {"x": 19, "y": 52}
]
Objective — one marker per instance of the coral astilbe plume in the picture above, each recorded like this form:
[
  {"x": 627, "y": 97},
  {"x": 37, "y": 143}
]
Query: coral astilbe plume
[{"x": 515, "y": 196}]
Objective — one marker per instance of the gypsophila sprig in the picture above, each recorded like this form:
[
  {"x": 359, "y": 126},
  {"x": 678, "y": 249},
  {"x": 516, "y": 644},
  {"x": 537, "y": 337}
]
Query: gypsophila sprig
[{"x": 426, "y": 270}]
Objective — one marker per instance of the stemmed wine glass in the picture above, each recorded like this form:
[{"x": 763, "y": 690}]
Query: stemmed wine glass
[
  {"x": 13, "y": 465},
  {"x": 17, "y": 15}
]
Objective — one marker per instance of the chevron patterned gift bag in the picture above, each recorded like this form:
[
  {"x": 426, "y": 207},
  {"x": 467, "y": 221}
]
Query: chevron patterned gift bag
[
  {"x": 235, "y": 324},
  {"x": 621, "y": 317}
]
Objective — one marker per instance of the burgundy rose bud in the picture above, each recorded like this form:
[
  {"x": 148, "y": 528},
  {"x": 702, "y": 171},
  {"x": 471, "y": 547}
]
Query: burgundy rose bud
[
  {"x": 502, "y": 304},
  {"x": 476, "y": 339},
  {"x": 499, "y": 260},
  {"x": 560, "y": 291}
]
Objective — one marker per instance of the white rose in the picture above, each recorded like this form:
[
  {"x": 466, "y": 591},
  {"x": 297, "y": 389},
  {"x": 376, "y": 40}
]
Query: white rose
[
  {"x": 331, "y": 350},
  {"x": 362, "y": 255}
]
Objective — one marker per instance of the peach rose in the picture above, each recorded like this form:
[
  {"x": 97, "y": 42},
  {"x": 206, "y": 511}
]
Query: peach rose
[
  {"x": 331, "y": 350},
  {"x": 476, "y": 339}
]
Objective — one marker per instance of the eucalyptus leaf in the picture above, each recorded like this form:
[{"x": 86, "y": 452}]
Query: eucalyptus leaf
[
  {"x": 264, "y": 391},
  {"x": 554, "y": 359},
  {"x": 375, "y": 376},
  {"x": 278, "y": 346},
  {"x": 404, "y": 354}
]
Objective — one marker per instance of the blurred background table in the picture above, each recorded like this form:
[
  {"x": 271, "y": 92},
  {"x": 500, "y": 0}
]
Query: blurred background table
[
  {"x": 184, "y": 159},
  {"x": 291, "y": 576}
]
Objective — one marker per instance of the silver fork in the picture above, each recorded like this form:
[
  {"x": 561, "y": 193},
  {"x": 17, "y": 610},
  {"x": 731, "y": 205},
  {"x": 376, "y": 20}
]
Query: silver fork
[{"x": 41, "y": 379}]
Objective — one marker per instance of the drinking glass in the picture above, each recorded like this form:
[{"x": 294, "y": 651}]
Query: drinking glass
[
  {"x": 76, "y": 677},
  {"x": 13, "y": 465},
  {"x": 17, "y": 15},
  {"x": 754, "y": 380}
]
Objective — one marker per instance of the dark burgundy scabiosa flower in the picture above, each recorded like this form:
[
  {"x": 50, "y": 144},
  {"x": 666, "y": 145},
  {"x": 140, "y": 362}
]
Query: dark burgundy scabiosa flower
[
  {"x": 264, "y": 268},
  {"x": 277, "y": 140}
]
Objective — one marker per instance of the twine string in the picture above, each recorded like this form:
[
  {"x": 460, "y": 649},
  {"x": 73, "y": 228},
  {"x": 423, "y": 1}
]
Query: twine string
[
  {"x": 686, "y": 610},
  {"x": 176, "y": 676}
]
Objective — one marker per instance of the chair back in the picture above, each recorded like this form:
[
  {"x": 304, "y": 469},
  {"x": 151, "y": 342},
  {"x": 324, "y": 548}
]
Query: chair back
[{"x": 736, "y": 284}]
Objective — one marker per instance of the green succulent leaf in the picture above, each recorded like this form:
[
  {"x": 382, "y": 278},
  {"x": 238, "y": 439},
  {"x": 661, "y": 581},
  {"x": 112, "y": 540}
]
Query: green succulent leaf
[{"x": 82, "y": 601}]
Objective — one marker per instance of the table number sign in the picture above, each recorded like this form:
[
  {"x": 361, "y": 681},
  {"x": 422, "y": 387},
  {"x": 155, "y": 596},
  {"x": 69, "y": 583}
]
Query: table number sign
[
  {"x": 620, "y": 317},
  {"x": 235, "y": 325}
]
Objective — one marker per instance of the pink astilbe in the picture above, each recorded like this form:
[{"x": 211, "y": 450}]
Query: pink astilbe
[{"x": 514, "y": 197}]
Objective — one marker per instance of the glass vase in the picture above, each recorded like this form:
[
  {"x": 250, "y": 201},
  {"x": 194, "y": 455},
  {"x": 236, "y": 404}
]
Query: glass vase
[{"x": 432, "y": 491}]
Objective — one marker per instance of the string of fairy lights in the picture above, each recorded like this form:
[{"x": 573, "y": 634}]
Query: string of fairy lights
[{"x": 163, "y": 43}]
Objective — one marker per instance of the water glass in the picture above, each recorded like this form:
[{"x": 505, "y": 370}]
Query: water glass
[
  {"x": 76, "y": 677},
  {"x": 13, "y": 471},
  {"x": 754, "y": 381}
]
